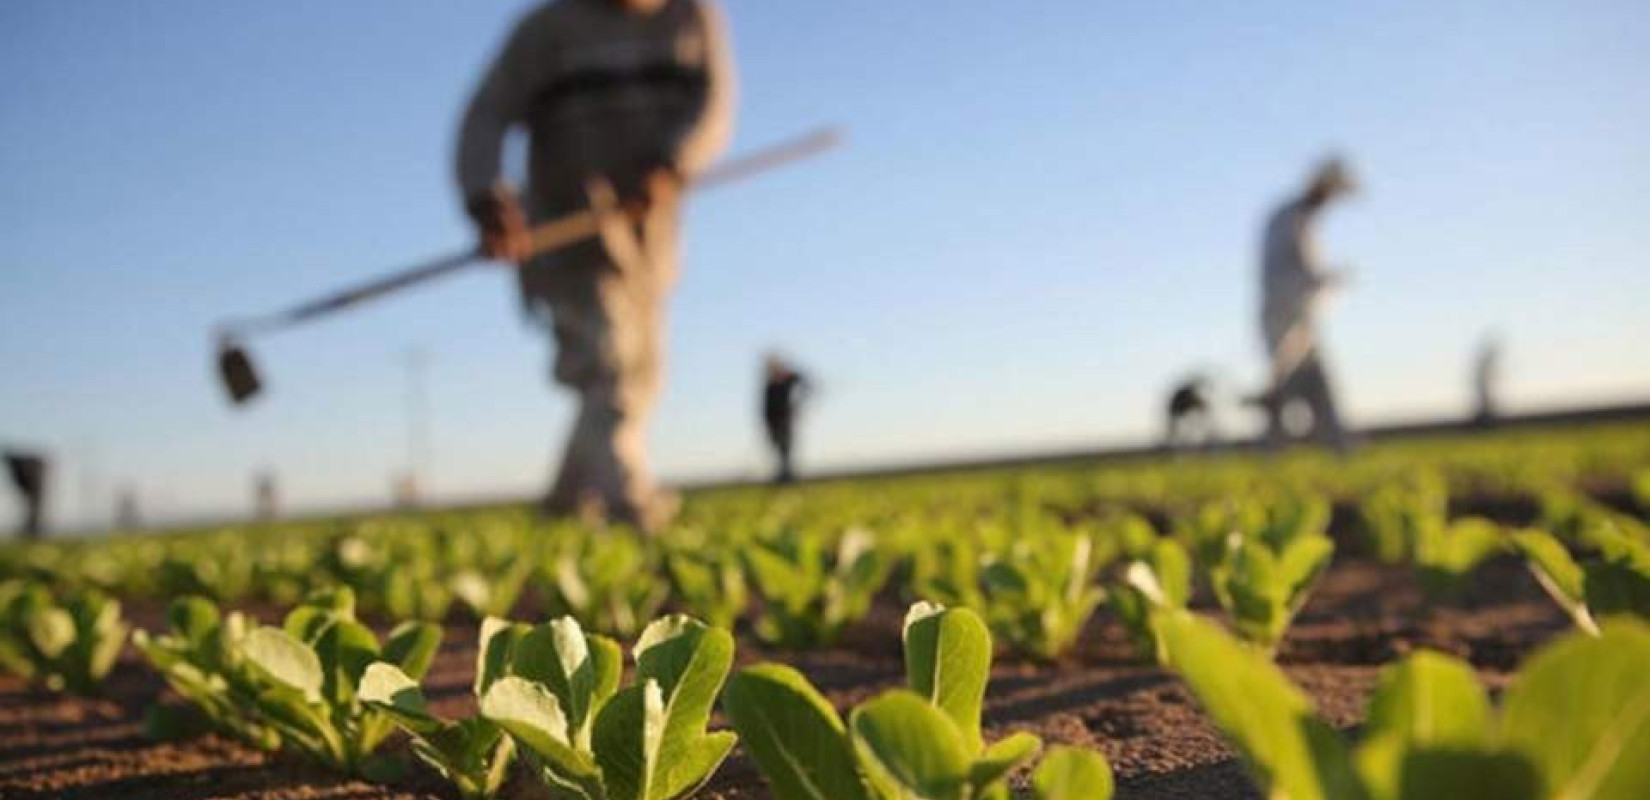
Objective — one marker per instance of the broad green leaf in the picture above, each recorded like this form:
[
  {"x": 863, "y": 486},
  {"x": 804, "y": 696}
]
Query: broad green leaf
[
  {"x": 386, "y": 687},
  {"x": 345, "y": 649},
  {"x": 499, "y": 639},
  {"x": 193, "y": 618},
  {"x": 948, "y": 660},
  {"x": 627, "y": 735},
  {"x": 1172, "y": 567},
  {"x": 689, "y": 662},
  {"x": 1002, "y": 758},
  {"x": 1290, "y": 752},
  {"x": 532, "y": 715},
  {"x": 910, "y": 748},
  {"x": 1299, "y": 566},
  {"x": 51, "y": 630},
  {"x": 1581, "y": 709},
  {"x": 278, "y": 657},
  {"x": 1557, "y": 573},
  {"x": 412, "y": 646},
  {"x": 796, "y": 739},
  {"x": 1427, "y": 703},
  {"x": 1069, "y": 773}
]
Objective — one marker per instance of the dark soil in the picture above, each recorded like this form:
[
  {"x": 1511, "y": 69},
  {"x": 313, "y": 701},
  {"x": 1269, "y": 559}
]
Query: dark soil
[{"x": 1161, "y": 745}]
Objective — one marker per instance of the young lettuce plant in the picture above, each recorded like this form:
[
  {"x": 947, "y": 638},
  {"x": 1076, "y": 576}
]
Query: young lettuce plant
[
  {"x": 1041, "y": 591},
  {"x": 710, "y": 587},
  {"x": 600, "y": 582},
  {"x": 587, "y": 739},
  {"x": 1446, "y": 555},
  {"x": 1615, "y": 581},
  {"x": 199, "y": 655},
  {"x": 920, "y": 742},
  {"x": 1162, "y": 580},
  {"x": 1572, "y": 724},
  {"x": 1262, "y": 589},
  {"x": 808, "y": 601},
  {"x": 68, "y": 646},
  {"x": 307, "y": 671},
  {"x": 474, "y": 753}
]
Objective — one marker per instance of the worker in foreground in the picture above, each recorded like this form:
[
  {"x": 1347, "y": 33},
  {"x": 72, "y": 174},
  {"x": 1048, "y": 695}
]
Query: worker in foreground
[
  {"x": 624, "y": 102},
  {"x": 784, "y": 390},
  {"x": 1294, "y": 285}
]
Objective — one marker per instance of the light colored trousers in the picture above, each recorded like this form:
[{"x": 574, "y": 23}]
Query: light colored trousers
[
  {"x": 1308, "y": 383},
  {"x": 607, "y": 314}
]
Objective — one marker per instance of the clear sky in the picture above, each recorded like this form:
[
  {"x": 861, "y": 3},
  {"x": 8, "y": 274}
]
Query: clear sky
[{"x": 1046, "y": 213}]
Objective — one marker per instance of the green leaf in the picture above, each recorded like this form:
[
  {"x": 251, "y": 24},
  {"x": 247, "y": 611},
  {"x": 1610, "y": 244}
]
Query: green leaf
[
  {"x": 533, "y": 716},
  {"x": 1426, "y": 703},
  {"x": 194, "y": 618},
  {"x": 1289, "y": 751},
  {"x": 345, "y": 649},
  {"x": 1002, "y": 758},
  {"x": 499, "y": 639},
  {"x": 910, "y": 748},
  {"x": 1069, "y": 773},
  {"x": 627, "y": 735},
  {"x": 1557, "y": 573},
  {"x": 948, "y": 660},
  {"x": 1581, "y": 709},
  {"x": 796, "y": 739},
  {"x": 412, "y": 647},
  {"x": 278, "y": 657},
  {"x": 386, "y": 687},
  {"x": 689, "y": 661},
  {"x": 51, "y": 630}
]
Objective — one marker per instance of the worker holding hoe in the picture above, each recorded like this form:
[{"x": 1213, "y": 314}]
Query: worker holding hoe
[
  {"x": 1294, "y": 284},
  {"x": 624, "y": 102}
]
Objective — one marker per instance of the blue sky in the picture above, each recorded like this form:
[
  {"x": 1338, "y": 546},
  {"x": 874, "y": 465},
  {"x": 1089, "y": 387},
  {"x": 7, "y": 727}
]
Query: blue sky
[{"x": 1046, "y": 212}]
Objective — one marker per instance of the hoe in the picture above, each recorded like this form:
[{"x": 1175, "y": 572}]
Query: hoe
[{"x": 239, "y": 375}]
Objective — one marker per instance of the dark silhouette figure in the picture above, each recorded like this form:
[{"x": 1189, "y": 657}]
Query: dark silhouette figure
[
  {"x": 1190, "y": 419},
  {"x": 29, "y": 475},
  {"x": 1486, "y": 379},
  {"x": 783, "y": 392}
]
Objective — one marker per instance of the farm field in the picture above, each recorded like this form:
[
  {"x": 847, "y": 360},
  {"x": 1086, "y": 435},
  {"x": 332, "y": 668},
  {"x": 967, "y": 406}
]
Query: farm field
[{"x": 1082, "y": 573}]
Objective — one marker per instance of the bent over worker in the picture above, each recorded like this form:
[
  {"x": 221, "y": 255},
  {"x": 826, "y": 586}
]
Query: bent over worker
[
  {"x": 1294, "y": 283},
  {"x": 624, "y": 99}
]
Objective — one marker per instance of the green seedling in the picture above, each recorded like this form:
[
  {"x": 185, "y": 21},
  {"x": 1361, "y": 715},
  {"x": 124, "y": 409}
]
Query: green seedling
[
  {"x": 810, "y": 599},
  {"x": 70, "y": 645},
  {"x": 473, "y": 753},
  {"x": 588, "y": 739},
  {"x": 1162, "y": 580},
  {"x": 1573, "y": 724},
  {"x": 199, "y": 655},
  {"x": 306, "y": 673}
]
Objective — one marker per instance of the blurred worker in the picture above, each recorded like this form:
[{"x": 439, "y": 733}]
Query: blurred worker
[
  {"x": 1190, "y": 418},
  {"x": 29, "y": 476},
  {"x": 624, "y": 101},
  {"x": 784, "y": 390},
  {"x": 266, "y": 496},
  {"x": 1294, "y": 283},
  {"x": 1486, "y": 377}
]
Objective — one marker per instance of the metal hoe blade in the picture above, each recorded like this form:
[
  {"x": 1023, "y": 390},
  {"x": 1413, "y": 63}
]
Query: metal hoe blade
[{"x": 236, "y": 372}]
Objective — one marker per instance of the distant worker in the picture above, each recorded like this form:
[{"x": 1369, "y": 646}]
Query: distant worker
[
  {"x": 266, "y": 497},
  {"x": 1191, "y": 420},
  {"x": 30, "y": 473},
  {"x": 784, "y": 390},
  {"x": 1486, "y": 378},
  {"x": 623, "y": 100},
  {"x": 1294, "y": 283}
]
